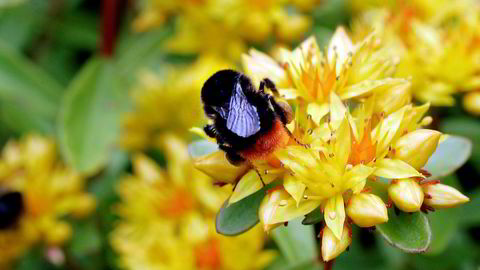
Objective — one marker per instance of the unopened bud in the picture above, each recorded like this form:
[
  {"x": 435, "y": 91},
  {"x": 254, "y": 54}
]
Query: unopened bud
[
  {"x": 443, "y": 196},
  {"x": 393, "y": 99},
  {"x": 406, "y": 194},
  {"x": 219, "y": 168},
  {"x": 367, "y": 210},
  {"x": 273, "y": 200},
  {"x": 332, "y": 246},
  {"x": 416, "y": 147},
  {"x": 471, "y": 102}
]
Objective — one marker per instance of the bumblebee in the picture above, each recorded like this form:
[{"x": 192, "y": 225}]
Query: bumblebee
[
  {"x": 11, "y": 207},
  {"x": 248, "y": 124}
]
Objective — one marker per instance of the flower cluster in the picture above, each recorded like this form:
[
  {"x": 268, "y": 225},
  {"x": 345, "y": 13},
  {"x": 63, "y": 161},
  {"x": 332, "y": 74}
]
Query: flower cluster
[
  {"x": 169, "y": 103},
  {"x": 359, "y": 127},
  {"x": 439, "y": 46},
  {"x": 225, "y": 26},
  {"x": 167, "y": 219},
  {"x": 36, "y": 193}
]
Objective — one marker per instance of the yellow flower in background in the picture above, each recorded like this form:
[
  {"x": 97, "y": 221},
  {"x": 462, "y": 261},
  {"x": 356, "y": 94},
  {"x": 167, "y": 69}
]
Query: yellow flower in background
[
  {"x": 169, "y": 103},
  {"x": 438, "y": 42},
  {"x": 167, "y": 219},
  {"x": 224, "y": 27},
  {"x": 49, "y": 192}
]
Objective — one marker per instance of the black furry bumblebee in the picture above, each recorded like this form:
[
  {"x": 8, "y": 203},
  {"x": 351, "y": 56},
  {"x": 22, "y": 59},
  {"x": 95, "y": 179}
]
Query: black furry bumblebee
[
  {"x": 11, "y": 207},
  {"x": 248, "y": 124}
]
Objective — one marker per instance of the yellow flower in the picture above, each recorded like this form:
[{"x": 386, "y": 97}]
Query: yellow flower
[
  {"x": 471, "y": 102},
  {"x": 437, "y": 41},
  {"x": 224, "y": 27},
  {"x": 167, "y": 219},
  {"x": 343, "y": 71},
  {"x": 49, "y": 191},
  {"x": 169, "y": 103},
  {"x": 357, "y": 124}
]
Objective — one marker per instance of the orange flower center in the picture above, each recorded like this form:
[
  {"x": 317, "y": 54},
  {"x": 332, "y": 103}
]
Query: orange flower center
[
  {"x": 179, "y": 203},
  {"x": 363, "y": 151},
  {"x": 208, "y": 255}
]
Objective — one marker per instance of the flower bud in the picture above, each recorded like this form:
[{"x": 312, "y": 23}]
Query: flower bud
[
  {"x": 406, "y": 194},
  {"x": 331, "y": 246},
  {"x": 393, "y": 99},
  {"x": 57, "y": 233},
  {"x": 471, "y": 102},
  {"x": 367, "y": 210},
  {"x": 217, "y": 166},
  {"x": 443, "y": 196},
  {"x": 271, "y": 201},
  {"x": 416, "y": 147}
]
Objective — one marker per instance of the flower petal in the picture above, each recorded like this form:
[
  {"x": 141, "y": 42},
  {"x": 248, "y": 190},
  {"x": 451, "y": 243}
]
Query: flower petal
[
  {"x": 251, "y": 183},
  {"x": 335, "y": 215},
  {"x": 294, "y": 187},
  {"x": 340, "y": 46},
  {"x": 395, "y": 169},
  {"x": 317, "y": 111},
  {"x": 356, "y": 177}
]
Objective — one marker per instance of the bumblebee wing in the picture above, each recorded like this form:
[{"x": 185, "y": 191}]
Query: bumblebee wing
[{"x": 243, "y": 118}]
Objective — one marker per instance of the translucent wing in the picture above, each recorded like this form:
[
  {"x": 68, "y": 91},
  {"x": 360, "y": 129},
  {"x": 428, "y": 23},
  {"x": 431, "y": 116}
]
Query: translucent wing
[{"x": 243, "y": 118}]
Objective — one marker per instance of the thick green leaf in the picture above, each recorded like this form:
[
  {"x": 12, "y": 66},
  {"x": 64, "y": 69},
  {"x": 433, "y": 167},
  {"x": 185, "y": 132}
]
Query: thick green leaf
[
  {"x": 201, "y": 147},
  {"x": 296, "y": 242},
  {"x": 241, "y": 216},
  {"x": 467, "y": 127},
  {"x": 91, "y": 111},
  {"x": 29, "y": 97},
  {"x": 449, "y": 156},
  {"x": 313, "y": 217},
  {"x": 408, "y": 232}
]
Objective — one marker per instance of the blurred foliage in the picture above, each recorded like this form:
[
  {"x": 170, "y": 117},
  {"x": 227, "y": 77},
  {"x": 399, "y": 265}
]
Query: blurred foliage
[{"x": 55, "y": 81}]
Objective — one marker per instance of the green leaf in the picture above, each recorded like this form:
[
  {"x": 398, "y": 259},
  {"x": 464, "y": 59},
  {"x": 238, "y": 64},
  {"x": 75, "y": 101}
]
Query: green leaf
[
  {"x": 29, "y": 97},
  {"x": 201, "y": 147},
  {"x": 296, "y": 242},
  {"x": 464, "y": 126},
  {"x": 409, "y": 232},
  {"x": 86, "y": 244},
  {"x": 141, "y": 50},
  {"x": 241, "y": 216},
  {"x": 313, "y": 217},
  {"x": 442, "y": 163},
  {"x": 470, "y": 214},
  {"x": 90, "y": 115}
]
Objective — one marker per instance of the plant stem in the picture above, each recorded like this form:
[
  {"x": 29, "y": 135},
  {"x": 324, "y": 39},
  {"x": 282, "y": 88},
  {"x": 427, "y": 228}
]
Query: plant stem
[
  {"x": 329, "y": 265},
  {"x": 109, "y": 10}
]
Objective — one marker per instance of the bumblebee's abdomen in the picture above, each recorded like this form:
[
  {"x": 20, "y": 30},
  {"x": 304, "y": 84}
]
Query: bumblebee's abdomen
[{"x": 267, "y": 143}]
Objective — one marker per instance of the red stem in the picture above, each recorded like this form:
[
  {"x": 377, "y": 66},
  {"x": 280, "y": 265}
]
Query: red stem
[
  {"x": 109, "y": 26},
  {"x": 329, "y": 265}
]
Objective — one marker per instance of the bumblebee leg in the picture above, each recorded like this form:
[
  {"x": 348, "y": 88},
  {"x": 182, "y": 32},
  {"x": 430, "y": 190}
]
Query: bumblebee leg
[
  {"x": 234, "y": 158},
  {"x": 210, "y": 131},
  {"x": 259, "y": 175},
  {"x": 266, "y": 82},
  {"x": 282, "y": 109}
]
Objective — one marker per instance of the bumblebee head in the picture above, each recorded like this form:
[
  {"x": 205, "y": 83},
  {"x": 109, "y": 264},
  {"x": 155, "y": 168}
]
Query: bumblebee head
[{"x": 11, "y": 207}]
